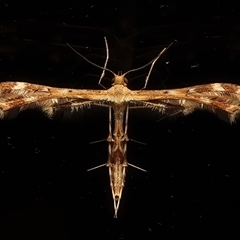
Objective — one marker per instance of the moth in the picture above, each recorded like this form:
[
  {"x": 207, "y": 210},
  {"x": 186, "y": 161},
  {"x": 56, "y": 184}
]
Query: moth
[{"x": 223, "y": 99}]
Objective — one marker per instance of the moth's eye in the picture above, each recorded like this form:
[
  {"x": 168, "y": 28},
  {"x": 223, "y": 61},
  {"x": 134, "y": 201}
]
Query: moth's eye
[
  {"x": 113, "y": 80},
  {"x": 125, "y": 80}
]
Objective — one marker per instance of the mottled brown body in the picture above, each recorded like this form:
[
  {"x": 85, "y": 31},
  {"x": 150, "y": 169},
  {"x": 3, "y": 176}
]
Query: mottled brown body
[{"x": 220, "y": 98}]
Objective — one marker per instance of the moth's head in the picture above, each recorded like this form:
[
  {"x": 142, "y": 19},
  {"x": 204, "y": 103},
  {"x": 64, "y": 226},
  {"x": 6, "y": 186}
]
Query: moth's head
[{"x": 119, "y": 80}]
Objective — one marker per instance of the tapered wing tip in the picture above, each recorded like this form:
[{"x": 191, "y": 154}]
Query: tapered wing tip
[{"x": 116, "y": 206}]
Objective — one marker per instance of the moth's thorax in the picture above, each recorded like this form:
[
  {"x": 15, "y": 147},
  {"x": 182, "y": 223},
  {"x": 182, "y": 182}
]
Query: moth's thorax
[{"x": 119, "y": 94}]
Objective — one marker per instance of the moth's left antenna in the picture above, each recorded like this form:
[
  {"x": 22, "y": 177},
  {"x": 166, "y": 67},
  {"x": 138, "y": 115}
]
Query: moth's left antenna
[
  {"x": 105, "y": 64},
  {"x": 96, "y": 65}
]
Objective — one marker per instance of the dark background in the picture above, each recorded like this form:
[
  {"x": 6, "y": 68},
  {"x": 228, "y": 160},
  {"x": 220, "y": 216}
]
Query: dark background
[{"x": 191, "y": 188}]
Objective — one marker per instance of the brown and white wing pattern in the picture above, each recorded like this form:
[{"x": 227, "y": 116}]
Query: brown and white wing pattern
[
  {"x": 222, "y": 99},
  {"x": 18, "y": 96}
]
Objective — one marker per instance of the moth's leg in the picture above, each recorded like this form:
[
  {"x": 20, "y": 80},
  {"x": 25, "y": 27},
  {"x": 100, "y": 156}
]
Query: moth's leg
[
  {"x": 110, "y": 138},
  {"x": 125, "y": 137},
  {"x": 126, "y": 120},
  {"x": 110, "y": 124}
]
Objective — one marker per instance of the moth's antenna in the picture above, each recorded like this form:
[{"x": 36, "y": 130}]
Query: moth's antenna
[
  {"x": 94, "y": 64},
  {"x": 154, "y": 60},
  {"x": 152, "y": 64},
  {"x": 105, "y": 64}
]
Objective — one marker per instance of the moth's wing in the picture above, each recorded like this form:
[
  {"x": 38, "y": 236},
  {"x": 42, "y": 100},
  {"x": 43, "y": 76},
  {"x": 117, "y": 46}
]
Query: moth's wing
[
  {"x": 220, "y": 98},
  {"x": 167, "y": 109},
  {"x": 18, "y": 96}
]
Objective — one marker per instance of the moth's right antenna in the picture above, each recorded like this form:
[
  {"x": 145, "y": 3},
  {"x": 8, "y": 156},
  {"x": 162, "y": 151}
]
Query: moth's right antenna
[{"x": 153, "y": 62}]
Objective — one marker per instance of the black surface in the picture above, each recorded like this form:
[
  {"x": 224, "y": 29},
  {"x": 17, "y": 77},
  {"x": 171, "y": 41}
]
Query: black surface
[{"x": 191, "y": 188}]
